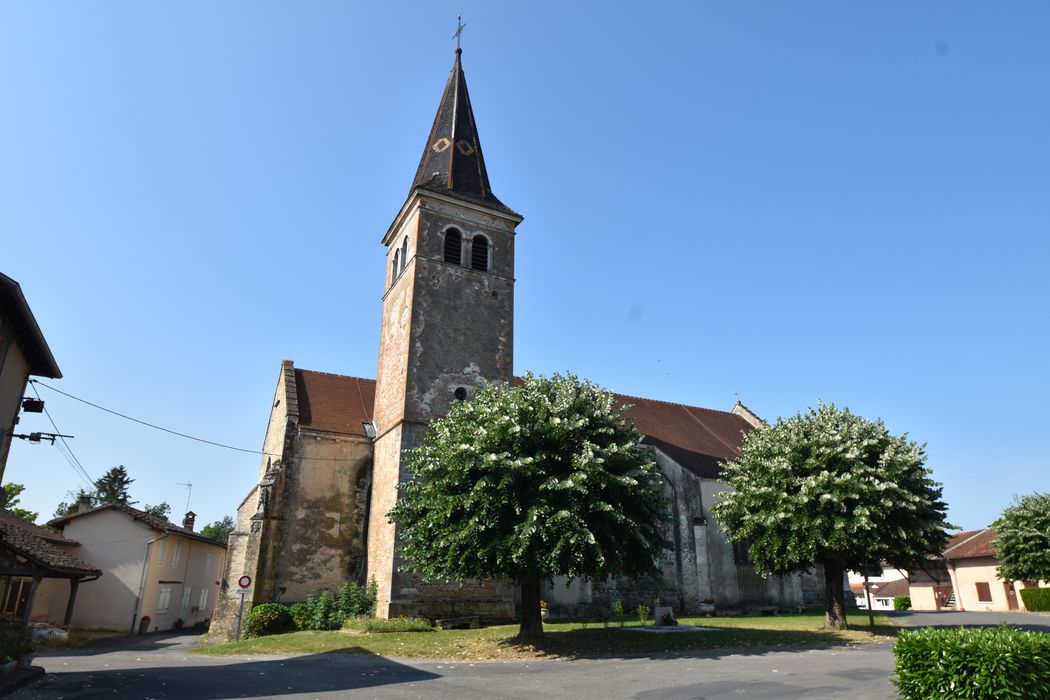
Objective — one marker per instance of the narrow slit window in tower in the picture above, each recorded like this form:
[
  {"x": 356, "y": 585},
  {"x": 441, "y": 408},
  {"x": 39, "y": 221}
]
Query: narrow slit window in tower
[
  {"x": 453, "y": 247},
  {"x": 404, "y": 254},
  {"x": 479, "y": 253},
  {"x": 393, "y": 267}
]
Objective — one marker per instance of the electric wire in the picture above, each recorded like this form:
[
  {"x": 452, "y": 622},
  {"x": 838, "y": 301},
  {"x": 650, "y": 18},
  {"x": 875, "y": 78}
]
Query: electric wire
[
  {"x": 176, "y": 432},
  {"x": 72, "y": 458}
]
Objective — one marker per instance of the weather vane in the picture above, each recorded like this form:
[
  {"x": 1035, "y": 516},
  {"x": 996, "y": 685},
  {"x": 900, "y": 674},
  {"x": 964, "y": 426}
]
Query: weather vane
[{"x": 459, "y": 30}]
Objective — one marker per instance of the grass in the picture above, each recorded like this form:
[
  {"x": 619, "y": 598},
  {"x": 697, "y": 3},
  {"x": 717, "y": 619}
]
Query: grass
[{"x": 564, "y": 640}]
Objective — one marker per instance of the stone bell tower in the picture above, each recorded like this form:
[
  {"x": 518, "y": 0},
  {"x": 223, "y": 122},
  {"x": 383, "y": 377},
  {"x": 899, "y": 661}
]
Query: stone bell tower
[{"x": 448, "y": 321}]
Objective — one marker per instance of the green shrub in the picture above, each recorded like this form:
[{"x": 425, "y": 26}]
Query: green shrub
[
  {"x": 902, "y": 602},
  {"x": 324, "y": 612},
  {"x": 356, "y": 600},
  {"x": 994, "y": 662},
  {"x": 268, "y": 618},
  {"x": 1036, "y": 599},
  {"x": 300, "y": 613},
  {"x": 14, "y": 642}
]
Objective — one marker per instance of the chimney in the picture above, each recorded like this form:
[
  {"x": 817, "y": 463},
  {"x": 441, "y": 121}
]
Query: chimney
[
  {"x": 84, "y": 502},
  {"x": 187, "y": 522}
]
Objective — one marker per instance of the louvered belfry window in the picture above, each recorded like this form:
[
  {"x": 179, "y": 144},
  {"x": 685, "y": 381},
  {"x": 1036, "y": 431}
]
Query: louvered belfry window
[
  {"x": 453, "y": 247},
  {"x": 479, "y": 253}
]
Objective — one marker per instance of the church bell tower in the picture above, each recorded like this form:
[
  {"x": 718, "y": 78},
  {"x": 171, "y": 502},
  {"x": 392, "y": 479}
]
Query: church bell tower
[{"x": 447, "y": 328}]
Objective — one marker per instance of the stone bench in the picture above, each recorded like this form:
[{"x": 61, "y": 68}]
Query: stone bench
[{"x": 470, "y": 622}]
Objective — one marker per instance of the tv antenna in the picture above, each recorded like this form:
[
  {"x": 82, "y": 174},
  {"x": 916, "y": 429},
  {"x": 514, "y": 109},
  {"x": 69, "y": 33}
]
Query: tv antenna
[{"x": 189, "y": 492}]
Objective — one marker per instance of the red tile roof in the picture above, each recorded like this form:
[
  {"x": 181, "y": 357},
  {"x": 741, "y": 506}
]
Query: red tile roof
[
  {"x": 150, "y": 521},
  {"x": 40, "y": 545},
  {"x": 892, "y": 588},
  {"x": 696, "y": 438},
  {"x": 971, "y": 544},
  {"x": 333, "y": 403}
]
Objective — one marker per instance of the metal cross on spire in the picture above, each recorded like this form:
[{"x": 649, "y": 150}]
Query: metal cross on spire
[{"x": 459, "y": 30}]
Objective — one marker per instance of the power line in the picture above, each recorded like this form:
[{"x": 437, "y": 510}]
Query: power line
[
  {"x": 175, "y": 432},
  {"x": 71, "y": 458},
  {"x": 147, "y": 424}
]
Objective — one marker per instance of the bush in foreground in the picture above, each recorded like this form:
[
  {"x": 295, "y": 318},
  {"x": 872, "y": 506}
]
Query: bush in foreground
[
  {"x": 996, "y": 662},
  {"x": 268, "y": 618},
  {"x": 902, "y": 602},
  {"x": 1036, "y": 599},
  {"x": 300, "y": 615}
]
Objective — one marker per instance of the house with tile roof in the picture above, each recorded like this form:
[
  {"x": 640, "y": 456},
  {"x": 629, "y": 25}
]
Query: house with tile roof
[
  {"x": 316, "y": 514},
  {"x": 156, "y": 575},
  {"x": 966, "y": 577}
]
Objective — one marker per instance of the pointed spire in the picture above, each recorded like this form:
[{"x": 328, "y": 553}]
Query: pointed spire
[{"x": 452, "y": 161}]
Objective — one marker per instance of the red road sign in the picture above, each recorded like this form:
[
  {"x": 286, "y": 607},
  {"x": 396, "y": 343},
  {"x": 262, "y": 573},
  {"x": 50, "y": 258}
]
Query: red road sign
[{"x": 244, "y": 581}]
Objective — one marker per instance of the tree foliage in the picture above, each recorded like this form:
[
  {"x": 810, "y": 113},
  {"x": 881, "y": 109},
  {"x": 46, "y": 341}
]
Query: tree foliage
[
  {"x": 527, "y": 482},
  {"x": 12, "y": 497},
  {"x": 1023, "y": 545},
  {"x": 162, "y": 510},
  {"x": 112, "y": 487},
  {"x": 72, "y": 502},
  {"x": 219, "y": 530},
  {"x": 831, "y": 488}
]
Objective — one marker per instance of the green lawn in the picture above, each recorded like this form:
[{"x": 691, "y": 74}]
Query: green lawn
[{"x": 564, "y": 639}]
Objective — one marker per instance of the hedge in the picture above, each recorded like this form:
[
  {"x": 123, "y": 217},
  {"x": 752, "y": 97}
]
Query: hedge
[
  {"x": 268, "y": 618},
  {"x": 1036, "y": 599},
  {"x": 993, "y": 662},
  {"x": 902, "y": 602}
]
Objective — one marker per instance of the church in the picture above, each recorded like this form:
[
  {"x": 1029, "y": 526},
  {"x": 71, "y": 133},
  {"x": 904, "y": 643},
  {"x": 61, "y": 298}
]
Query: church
[{"x": 333, "y": 450}]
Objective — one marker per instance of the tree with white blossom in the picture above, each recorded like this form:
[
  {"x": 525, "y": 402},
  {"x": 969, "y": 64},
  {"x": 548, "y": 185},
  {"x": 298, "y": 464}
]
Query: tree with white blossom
[
  {"x": 526, "y": 482},
  {"x": 833, "y": 489}
]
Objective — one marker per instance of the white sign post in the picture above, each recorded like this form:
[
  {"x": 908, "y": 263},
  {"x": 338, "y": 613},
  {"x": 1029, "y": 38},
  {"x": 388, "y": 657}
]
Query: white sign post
[{"x": 243, "y": 589}]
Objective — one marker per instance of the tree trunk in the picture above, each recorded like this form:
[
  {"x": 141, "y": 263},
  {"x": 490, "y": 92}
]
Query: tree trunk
[
  {"x": 835, "y": 606},
  {"x": 531, "y": 622}
]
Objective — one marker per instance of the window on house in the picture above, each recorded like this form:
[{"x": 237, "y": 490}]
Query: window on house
[
  {"x": 185, "y": 608},
  {"x": 207, "y": 563},
  {"x": 453, "y": 247},
  {"x": 162, "y": 552},
  {"x": 984, "y": 592},
  {"x": 176, "y": 554},
  {"x": 479, "y": 253},
  {"x": 164, "y": 599},
  {"x": 203, "y": 602}
]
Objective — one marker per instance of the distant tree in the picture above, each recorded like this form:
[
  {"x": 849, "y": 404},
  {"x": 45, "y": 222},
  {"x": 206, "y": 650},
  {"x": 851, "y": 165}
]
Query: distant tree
[
  {"x": 112, "y": 487},
  {"x": 523, "y": 483},
  {"x": 1023, "y": 545},
  {"x": 219, "y": 530},
  {"x": 162, "y": 510},
  {"x": 12, "y": 496},
  {"x": 833, "y": 489}
]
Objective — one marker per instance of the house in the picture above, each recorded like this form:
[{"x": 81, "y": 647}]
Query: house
[
  {"x": 32, "y": 559},
  {"x": 315, "y": 514},
  {"x": 882, "y": 594},
  {"x": 23, "y": 353},
  {"x": 156, "y": 575},
  {"x": 966, "y": 577}
]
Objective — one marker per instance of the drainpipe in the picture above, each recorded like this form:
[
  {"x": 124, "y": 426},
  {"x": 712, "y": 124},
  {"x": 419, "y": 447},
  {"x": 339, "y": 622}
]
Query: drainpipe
[{"x": 142, "y": 580}]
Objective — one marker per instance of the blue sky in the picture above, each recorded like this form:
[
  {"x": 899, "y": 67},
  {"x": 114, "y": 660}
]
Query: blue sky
[{"x": 797, "y": 201}]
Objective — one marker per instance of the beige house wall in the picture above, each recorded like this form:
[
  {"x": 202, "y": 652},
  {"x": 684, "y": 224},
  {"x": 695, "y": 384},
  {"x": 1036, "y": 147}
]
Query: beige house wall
[
  {"x": 967, "y": 573},
  {"x": 117, "y": 544},
  {"x": 13, "y": 378}
]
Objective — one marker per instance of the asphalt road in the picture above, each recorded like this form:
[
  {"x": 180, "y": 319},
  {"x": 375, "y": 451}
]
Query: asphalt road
[{"x": 159, "y": 666}]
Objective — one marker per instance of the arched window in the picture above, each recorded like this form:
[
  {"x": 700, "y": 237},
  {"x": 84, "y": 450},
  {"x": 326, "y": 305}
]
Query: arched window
[
  {"x": 453, "y": 247},
  {"x": 394, "y": 267},
  {"x": 404, "y": 254},
  {"x": 479, "y": 253}
]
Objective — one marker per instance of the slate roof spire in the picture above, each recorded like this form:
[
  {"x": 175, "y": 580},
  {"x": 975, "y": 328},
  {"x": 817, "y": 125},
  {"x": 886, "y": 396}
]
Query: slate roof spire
[{"x": 452, "y": 161}]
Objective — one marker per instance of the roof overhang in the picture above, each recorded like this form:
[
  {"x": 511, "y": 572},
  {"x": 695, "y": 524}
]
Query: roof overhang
[{"x": 16, "y": 311}]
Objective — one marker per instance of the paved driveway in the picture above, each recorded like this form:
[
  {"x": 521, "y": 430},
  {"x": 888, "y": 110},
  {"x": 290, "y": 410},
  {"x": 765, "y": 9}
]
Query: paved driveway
[
  {"x": 160, "y": 666},
  {"x": 1039, "y": 622}
]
